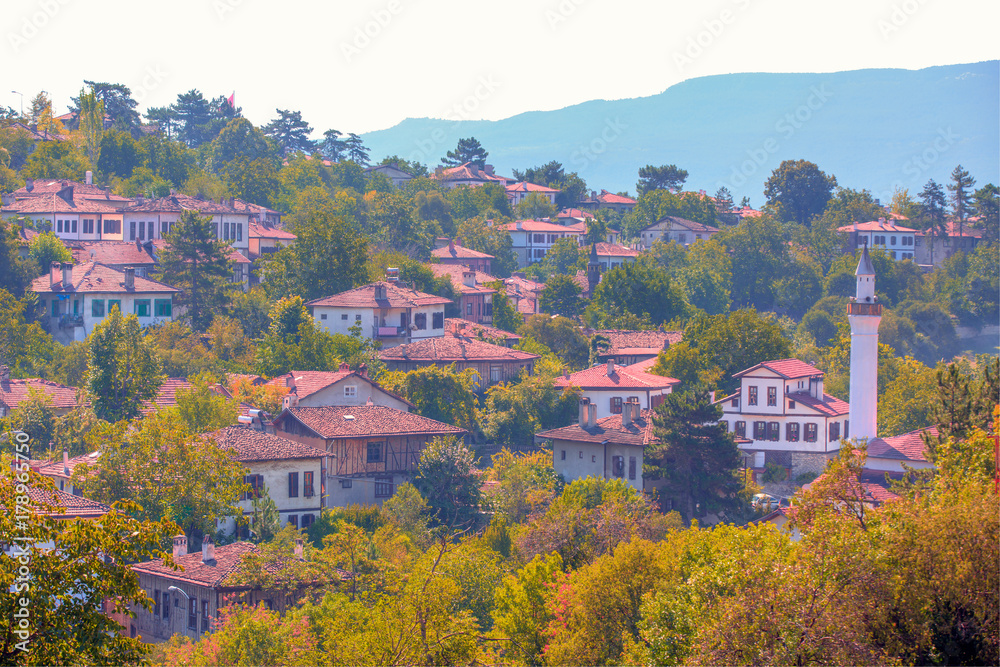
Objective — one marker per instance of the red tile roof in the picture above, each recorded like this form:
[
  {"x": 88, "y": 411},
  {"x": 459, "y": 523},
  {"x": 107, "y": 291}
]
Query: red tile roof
[
  {"x": 642, "y": 366},
  {"x": 307, "y": 383},
  {"x": 524, "y": 186},
  {"x": 622, "y": 377},
  {"x": 14, "y": 392},
  {"x": 746, "y": 212},
  {"x": 73, "y": 506},
  {"x": 454, "y": 273},
  {"x": 526, "y": 286},
  {"x": 364, "y": 421},
  {"x": 458, "y": 252},
  {"x": 540, "y": 226},
  {"x": 179, "y": 203},
  {"x": 253, "y": 209},
  {"x": 448, "y": 349},
  {"x": 639, "y": 433},
  {"x": 467, "y": 172},
  {"x": 125, "y": 253},
  {"x": 615, "y": 250},
  {"x": 256, "y": 380},
  {"x": 261, "y": 231},
  {"x": 53, "y": 203},
  {"x": 690, "y": 225},
  {"x": 789, "y": 369},
  {"x": 906, "y": 447},
  {"x": 968, "y": 231},
  {"x": 397, "y": 296},
  {"x": 474, "y": 330},
  {"x": 98, "y": 278},
  {"x": 43, "y": 186},
  {"x": 610, "y": 198},
  {"x": 234, "y": 255},
  {"x": 228, "y": 559},
  {"x": 574, "y": 213},
  {"x": 871, "y": 485},
  {"x": 876, "y": 226},
  {"x": 638, "y": 342},
  {"x": 831, "y": 406},
  {"x": 248, "y": 445},
  {"x": 167, "y": 396},
  {"x": 57, "y": 469}
]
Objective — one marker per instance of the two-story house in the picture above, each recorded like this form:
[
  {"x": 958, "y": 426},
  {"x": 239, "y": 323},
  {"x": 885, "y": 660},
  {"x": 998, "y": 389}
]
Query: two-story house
[
  {"x": 612, "y": 255},
  {"x": 532, "y": 239},
  {"x": 932, "y": 247},
  {"x": 609, "y": 387},
  {"x": 782, "y": 409},
  {"x": 386, "y": 311},
  {"x": 492, "y": 363},
  {"x": 72, "y": 211},
  {"x": 77, "y": 298},
  {"x": 475, "y": 299},
  {"x": 518, "y": 192},
  {"x": 343, "y": 387},
  {"x": 609, "y": 200},
  {"x": 679, "y": 230},
  {"x": 455, "y": 254},
  {"x": 152, "y": 219},
  {"x": 899, "y": 242}
]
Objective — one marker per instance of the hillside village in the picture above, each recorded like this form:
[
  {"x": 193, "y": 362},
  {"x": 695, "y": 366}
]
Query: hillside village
[{"x": 365, "y": 407}]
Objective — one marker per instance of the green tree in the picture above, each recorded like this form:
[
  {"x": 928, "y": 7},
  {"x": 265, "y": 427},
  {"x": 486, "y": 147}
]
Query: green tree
[
  {"x": 493, "y": 239},
  {"x": 695, "y": 456},
  {"x": 561, "y": 335},
  {"x": 467, "y": 150},
  {"x": 290, "y": 132},
  {"x": 56, "y": 160},
  {"x": 707, "y": 276},
  {"x": 447, "y": 479},
  {"x": 522, "y": 615},
  {"x": 193, "y": 115},
  {"x": 25, "y": 347},
  {"x": 120, "y": 154},
  {"x": 504, "y": 315},
  {"x": 987, "y": 200},
  {"x": 36, "y": 416},
  {"x": 962, "y": 193},
  {"x": 198, "y": 264},
  {"x": 47, "y": 248},
  {"x": 641, "y": 288},
  {"x": 357, "y": 152},
  {"x": 932, "y": 213},
  {"x": 123, "y": 370},
  {"x": 905, "y": 401},
  {"x": 239, "y": 139},
  {"x": 253, "y": 181},
  {"x": 561, "y": 296},
  {"x": 516, "y": 411},
  {"x": 117, "y": 103},
  {"x": 535, "y": 207},
  {"x": 565, "y": 257},
  {"x": 91, "y": 122},
  {"x": 443, "y": 394},
  {"x": 665, "y": 177},
  {"x": 202, "y": 409},
  {"x": 798, "y": 190},
  {"x": 760, "y": 256},
  {"x": 332, "y": 147},
  {"x": 15, "y": 273},
  {"x": 524, "y": 482}
]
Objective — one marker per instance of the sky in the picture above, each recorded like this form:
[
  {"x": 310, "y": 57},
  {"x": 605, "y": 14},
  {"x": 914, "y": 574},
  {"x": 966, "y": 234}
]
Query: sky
[{"x": 358, "y": 66}]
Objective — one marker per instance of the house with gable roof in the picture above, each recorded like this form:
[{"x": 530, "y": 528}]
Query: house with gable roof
[
  {"x": 14, "y": 392},
  {"x": 492, "y": 363},
  {"x": 343, "y": 387},
  {"x": 609, "y": 200},
  {"x": 631, "y": 347},
  {"x": 532, "y": 239},
  {"x": 475, "y": 299},
  {"x": 71, "y": 210},
  {"x": 518, "y": 192},
  {"x": 679, "y": 230},
  {"x": 455, "y": 254},
  {"x": 609, "y": 387},
  {"x": 396, "y": 176},
  {"x": 470, "y": 175},
  {"x": 899, "y": 242}
]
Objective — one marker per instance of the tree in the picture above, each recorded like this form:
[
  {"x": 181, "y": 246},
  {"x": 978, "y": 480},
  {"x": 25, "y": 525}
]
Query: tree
[
  {"x": 904, "y": 403},
  {"x": 561, "y": 335},
  {"x": 120, "y": 154},
  {"x": 357, "y": 152},
  {"x": 504, "y": 315},
  {"x": 333, "y": 148},
  {"x": 123, "y": 370},
  {"x": 522, "y": 615},
  {"x": 493, "y": 239},
  {"x": 25, "y": 347},
  {"x": 641, "y": 288},
  {"x": 170, "y": 473},
  {"x": 47, "y": 248},
  {"x": 15, "y": 273},
  {"x": 290, "y": 132},
  {"x": 760, "y": 256},
  {"x": 91, "y": 120},
  {"x": 516, "y": 411},
  {"x": 447, "y": 479},
  {"x": 202, "y": 409},
  {"x": 117, "y": 102},
  {"x": 467, "y": 150},
  {"x": 561, "y": 296},
  {"x": 932, "y": 213},
  {"x": 988, "y": 208},
  {"x": 535, "y": 207},
  {"x": 572, "y": 188},
  {"x": 85, "y": 566},
  {"x": 198, "y": 264},
  {"x": 707, "y": 276},
  {"x": 798, "y": 190},
  {"x": 193, "y": 114},
  {"x": 565, "y": 258},
  {"x": 962, "y": 197},
  {"x": 36, "y": 416},
  {"x": 239, "y": 139},
  {"x": 666, "y": 177},
  {"x": 524, "y": 482},
  {"x": 442, "y": 394},
  {"x": 695, "y": 456},
  {"x": 724, "y": 205},
  {"x": 56, "y": 160},
  {"x": 254, "y": 181}
]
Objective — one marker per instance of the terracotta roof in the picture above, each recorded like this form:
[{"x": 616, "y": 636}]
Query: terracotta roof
[
  {"x": 906, "y": 447},
  {"x": 179, "y": 203},
  {"x": 638, "y": 342},
  {"x": 610, "y": 198},
  {"x": 234, "y": 255},
  {"x": 256, "y": 380},
  {"x": 248, "y": 445},
  {"x": 308, "y": 383},
  {"x": 228, "y": 559},
  {"x": 789, "y": 369},
  {"x": 876, "y": 226},
  {"x": 53, "y": 203},
  {"x": 43, "y": 186},
  {"x": 690, "y": 225},
  {"x": 74, "y": 506},
  {"x": 111, "y": 252},
  {"x": 540, "y": 226},
  {"x": 467, "y": 172},
  {"x": 473, "y": 330},
  {"x": 830, "y": 406},
  {"x": 574, "y": 213},
  {"x": 454, "y": 273},
  {"x": 746, "y": 212},
  {"x": 615, "y": 250},
  {"x": 448, "y": 349},
  {"x": 456, "y": 251},
  {"x": 98, "y": 278},
  {"x": 365, "y": 421},
  {"x": 262, "y": 231},
  {"x": 870, "y": 484},
  {"x": 643, "y": 366},
  {"x": 253, "y": 209},
  {"x": 968, "y": 231},
  {"x": 524, "y": 186},
  {"x": 639, "y": 433},
  {"x": 167, "y": 395},
  {"x": 622, "y": 377},
  {"x": 397, "y": 296},
  {"x": 14, "y": 392},
  {"x": 57, "y": 468},
  {"x": 526, "y": 286}
]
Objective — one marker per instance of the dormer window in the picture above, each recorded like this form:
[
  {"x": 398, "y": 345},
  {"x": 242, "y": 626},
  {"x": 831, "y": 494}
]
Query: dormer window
[{"x": 350, "y": 391}]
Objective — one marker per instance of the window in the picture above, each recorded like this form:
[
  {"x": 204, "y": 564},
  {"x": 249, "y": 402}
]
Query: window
[
  {"x": 811, "y": 433},
  {"x": 307, "y": 520},
  {"x": 539, "y": 238},
  {"x": 772, "y": 396},
  {"x": 323, "y": 316},
  {"x": 791, "y": 404},
  {"x": 88, "y": 225},
  {"x": 142, "y": 307},
  {"x": 59, "y": 226},
  {"x": 420, "y": 320},
  {"x": 142, "y": 231},
  {"x": 682, "y": 238},
  {"x": 55, "y": 307},
  {"x": 74, "y": 226},
  {"x": 752, "y": 398},
  {"x": 632, "y": 464},
  {"x": 357, "y": 318},
  {"x": 736, "y": 402},
  {"x": 156, "y": 602},
  {"x": 343, "y": 317},
  {"x": 193, "y": 614},
  {"x": 375, "y": 452},
  {"x": 618, "y": 466},
  {"x": 593, "y": 459},
  {"x": 164, "y": 228},
  {"x": 892, "y": 240},
  {"x": 131, "y": 231},
  {"x": 847, "y": 433},
  {"x": 792, "y": 432},
  {"x": 437, "y": 320},
  {"x": 152, "y": 230},
  {"x": 256, "y": 483},
  {"x": 239, "y": 231},
  {"x": 834, "y": 431},
  {"x": 562, "y": 455},
  {"x": 205, "y": 618},
  {"x": 163, "y": 307},
  {"x": 759, "y": 430},
  {"x": 773, "y": 431},
  {"x": 293, "y": 519},
  {"x": 114, "y": 303},
  {"x": 350, "y": 391},
  {"x": 383, "y": 487},
  {"x": 740, "y": 429},
  {"x": 293, "y": 485},
  {"x": 307, "y": 485},
  {"x": 97, "y": 308},
  {"x": 468, "y": 308},
  {"x": 165, "y": 607},
  {"x": 616, "y": 405}
]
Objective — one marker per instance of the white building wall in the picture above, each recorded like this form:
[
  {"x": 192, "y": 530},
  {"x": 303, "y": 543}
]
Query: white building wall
[
  {"x": 578, "y": 460},
  {"x": 275, "y": 474}
]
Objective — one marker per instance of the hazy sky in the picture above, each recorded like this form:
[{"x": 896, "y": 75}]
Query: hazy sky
[{"x": 366, "y": 65}]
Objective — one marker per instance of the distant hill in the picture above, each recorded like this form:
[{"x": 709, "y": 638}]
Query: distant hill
[{"x": 873, "y": 128}]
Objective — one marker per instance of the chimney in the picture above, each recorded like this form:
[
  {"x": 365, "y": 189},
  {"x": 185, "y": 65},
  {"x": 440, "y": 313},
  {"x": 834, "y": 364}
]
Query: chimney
[
  {"x": 65, "y": 463},
  {"x": 611, "y": 367},
  {"x": 5, "y": 373},
  {"x": 489, "y": 169},
  {"x": 54, "y": 273},
  {"x": 451, "y": 245},
  {"x": 344, "y": 367},
  {"x": 518, "y": 225},
  {"x": 29, "y": 184},
  {"x": 855, "y": 223},
  {"x": 129, "y": 277},
  {"x": 299, "y": 548},
  {"x": 584, "y": 412},
  {"x": 591, "y": 416},
  {"x": 180, "y": 546},
  {"x": 627, "y": 415},
  {"x": 6, "y": 199},
  {"x": 363, "y": 370},
  {"x": 666, "y": 344},
  {"x": 290, "y": 380},
  {"x": 469, "y": 278},
  {"x": 207, "y": 549},
  {"x": 67, "y": 275},
  {"x": 89, "y": 180}
]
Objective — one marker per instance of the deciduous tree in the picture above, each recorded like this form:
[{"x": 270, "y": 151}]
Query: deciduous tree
[{"x": 123, "y": 369}]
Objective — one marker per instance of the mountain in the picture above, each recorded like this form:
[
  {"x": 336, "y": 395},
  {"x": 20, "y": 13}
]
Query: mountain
[{"x": 873, "y": 128}]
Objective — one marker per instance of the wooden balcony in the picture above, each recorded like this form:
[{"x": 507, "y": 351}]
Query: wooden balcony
[{"x": 864, "y": 308}]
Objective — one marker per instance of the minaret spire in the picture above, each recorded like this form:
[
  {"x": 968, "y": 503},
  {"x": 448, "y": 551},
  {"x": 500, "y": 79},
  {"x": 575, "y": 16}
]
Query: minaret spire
[{"x": 864, "y": 314}]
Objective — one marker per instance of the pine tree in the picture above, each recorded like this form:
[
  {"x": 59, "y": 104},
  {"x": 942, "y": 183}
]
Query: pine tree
[
  {"x": 961, "y": 189},
  {"x": 467, "y": 150},
  {"x": 356, "y": 150},
  {"x": 290, "y": 131},
  {"x": 123, "y": 369},
  {"x": 198, "y": 264}
]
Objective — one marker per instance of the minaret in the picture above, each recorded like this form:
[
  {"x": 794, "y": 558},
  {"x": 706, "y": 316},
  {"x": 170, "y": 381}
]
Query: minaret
[{"x": 864, "y": 314}]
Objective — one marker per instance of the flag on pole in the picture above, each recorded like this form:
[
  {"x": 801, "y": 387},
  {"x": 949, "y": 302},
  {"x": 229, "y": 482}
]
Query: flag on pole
[{"x": 232, "y": 100}]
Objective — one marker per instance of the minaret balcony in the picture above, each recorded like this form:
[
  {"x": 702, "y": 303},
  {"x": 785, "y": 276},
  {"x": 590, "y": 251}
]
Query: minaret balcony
[{"x": 864, "y": 308}]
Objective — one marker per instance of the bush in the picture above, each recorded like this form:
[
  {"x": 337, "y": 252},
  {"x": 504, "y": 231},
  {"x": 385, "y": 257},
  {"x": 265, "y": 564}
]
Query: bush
[
  {"x": 805, "y": 478},
  {"x": 773, "y": 473},
  {"x": 367, "y": 517}
]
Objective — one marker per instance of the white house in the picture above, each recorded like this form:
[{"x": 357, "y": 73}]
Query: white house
[
  {"x": 614, "y": 255},
  {"x": 518, "y": 192},
  {"x": 77, "y": 298},
  {"x": 397, "y": 176},
  {"x": 532, "y": 239},
  {"x": 788, "y": 418},
  {"x": 315, "y": 389},
  {"x": 609, "y": 387},
  {"x": 679, "y": 230},
  {"x": 608, "y": 448},
  {"x": 386, "y": 311},
  {"x": 898, "y": 241},
  {"x": 151, "y": 219},
  {"x": 889, "y": 454},
  {"x": 72, "y": 211}
]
